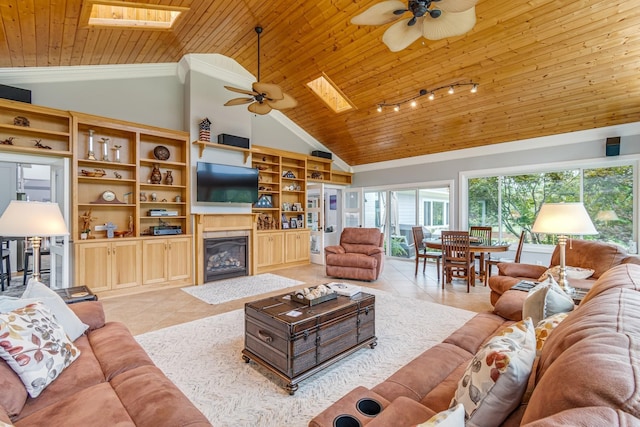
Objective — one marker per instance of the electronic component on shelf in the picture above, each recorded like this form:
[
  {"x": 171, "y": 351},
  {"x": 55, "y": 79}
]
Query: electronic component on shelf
[
  {"x": 162, "y": 212},
  {"x": 166, "y": 230}
]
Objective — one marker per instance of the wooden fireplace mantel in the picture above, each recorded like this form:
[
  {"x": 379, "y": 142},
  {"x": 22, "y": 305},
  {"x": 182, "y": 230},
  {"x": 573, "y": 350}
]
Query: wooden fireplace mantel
[{"x": 225, "y": 224}]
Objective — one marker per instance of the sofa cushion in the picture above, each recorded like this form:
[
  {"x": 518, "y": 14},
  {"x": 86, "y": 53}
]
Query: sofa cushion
[
  {"x": 98, "y": 405},
  {"x": 497, "y": 376},
  {"x": 452, "y": 417},
  {"x": 14, "y": 394},
  {"x": 352, "y": 260},
  {"x": 546, "y": 299},
  {"x": 35, "y": 346},
  {"x": 510, "y": 304},
  {"x": 571, "y": 272},
  {"x": 90, "y": 313},
  {"x": 588, "y": 417}
]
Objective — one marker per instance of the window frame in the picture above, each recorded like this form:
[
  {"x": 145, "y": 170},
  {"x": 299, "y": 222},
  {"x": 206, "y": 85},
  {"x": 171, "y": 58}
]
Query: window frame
[{"x": 464, "y": 176}]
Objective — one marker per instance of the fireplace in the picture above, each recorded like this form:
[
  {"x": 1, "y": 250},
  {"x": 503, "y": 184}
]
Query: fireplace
[{"x": 225, "y": 257}]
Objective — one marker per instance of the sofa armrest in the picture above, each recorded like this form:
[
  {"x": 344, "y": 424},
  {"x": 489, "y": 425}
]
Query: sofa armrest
[
  {"x": 90, "y": 313},
  {"x": 402, "y": 412},
  {"x": 334, "y": 249},
  {"x": 374, "y": 251},
  {"x": 514, "y": 269}
]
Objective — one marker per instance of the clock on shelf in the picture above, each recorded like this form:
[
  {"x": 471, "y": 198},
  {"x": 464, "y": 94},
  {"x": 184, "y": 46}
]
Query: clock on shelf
[{"x": 108, "y": 197}]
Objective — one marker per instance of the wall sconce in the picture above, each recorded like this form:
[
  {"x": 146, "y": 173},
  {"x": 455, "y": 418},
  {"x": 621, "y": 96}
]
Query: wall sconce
[{"x": 432, "y": 95}]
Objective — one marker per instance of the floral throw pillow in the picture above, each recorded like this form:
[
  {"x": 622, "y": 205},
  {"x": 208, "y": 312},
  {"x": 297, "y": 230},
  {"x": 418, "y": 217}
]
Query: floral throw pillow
[
  {"x": 496, "y": 378},
  {"x": 35, "y": 346},
  {"x": 545, "y": 327},
  {"x": 572, "y": 273}
]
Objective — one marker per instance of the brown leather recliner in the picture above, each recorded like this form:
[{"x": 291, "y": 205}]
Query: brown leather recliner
[{"x": 359, "y": 256}]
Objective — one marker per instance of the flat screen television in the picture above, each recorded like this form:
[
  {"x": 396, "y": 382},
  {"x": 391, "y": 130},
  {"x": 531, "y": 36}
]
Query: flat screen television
[{"x": 226, "y": 183}]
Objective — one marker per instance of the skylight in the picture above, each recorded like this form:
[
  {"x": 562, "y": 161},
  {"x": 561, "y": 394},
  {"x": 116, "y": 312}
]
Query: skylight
[
  {"x": 330, "y": 94},
  {"x": 106, "y": 13}
]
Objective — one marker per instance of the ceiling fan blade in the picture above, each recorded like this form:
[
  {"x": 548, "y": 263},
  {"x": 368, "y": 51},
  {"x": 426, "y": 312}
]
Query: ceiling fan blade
[
  {"x": 400, "y": 35},
  {"x": 379, "y": 13},
  {"x": 259, "y": 108},
  {"x": 238, "y": 101},
  {"x": 235, "y": 89},
  {"x": 449, "y": 24},
  {"x": 456, "y": 6},
  {"x": 270, "y": 90},
  {"x": 287, "y": 102}
]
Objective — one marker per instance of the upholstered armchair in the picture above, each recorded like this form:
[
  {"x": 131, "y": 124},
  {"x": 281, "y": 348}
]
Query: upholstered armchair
[{"x": 359, "y": 256}]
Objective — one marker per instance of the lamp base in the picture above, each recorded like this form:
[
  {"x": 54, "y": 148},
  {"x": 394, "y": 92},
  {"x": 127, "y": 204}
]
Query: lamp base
[{"x": 562, "y": 279}]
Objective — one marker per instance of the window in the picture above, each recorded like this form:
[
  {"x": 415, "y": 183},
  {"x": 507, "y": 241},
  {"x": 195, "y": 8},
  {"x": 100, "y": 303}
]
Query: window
[{"x": 510, "y": 203}]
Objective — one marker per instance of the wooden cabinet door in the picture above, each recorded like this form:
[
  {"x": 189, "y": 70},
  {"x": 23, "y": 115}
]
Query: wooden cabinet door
[
  {"x": 93, "y": 268},
  {"x": 270, "y": 249},
  {"x": 125, "y": 264},
  {"x": 154, "y": 257},
  {"x": 179, "y": 259},
  {"x": 297, "y": 246},
  {"x": 303, "y": 251},
  {"x": 277, "y": 248}
]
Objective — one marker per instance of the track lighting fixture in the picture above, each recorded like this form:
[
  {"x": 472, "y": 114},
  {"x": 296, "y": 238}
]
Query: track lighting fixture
[{"x": 432, "y": 95}]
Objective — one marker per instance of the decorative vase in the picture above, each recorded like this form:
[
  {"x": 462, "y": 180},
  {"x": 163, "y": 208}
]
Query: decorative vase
[
  {"x": 169, "y": 178},
  {"x": 143, "y": 196},
  {"x": 156, "y": 176}
]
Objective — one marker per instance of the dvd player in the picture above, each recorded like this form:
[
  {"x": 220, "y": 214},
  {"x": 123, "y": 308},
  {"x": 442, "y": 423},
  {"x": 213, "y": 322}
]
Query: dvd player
[{"x": 165, "y": 230}]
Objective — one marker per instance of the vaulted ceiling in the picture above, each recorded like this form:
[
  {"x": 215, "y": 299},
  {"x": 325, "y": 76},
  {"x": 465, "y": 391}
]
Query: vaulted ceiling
[{"x": 544, "y": 67}]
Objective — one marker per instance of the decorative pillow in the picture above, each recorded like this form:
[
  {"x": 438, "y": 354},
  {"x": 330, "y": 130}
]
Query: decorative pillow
[
  {"x": 37, "y": 291},
  {"x": 35, "y": 346},
  {"x": 496, "y": 377},
  {"x": 545, "y": 327},
  {"x": 572, "y": 273},
  {"x": 546, "y": 299},
  {"x": 452, "y": 417}
]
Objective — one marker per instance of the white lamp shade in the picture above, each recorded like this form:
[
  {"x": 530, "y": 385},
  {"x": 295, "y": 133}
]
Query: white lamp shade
[
  {"x": 563, "y": 218},
  {"x": 32, "y": 219}
]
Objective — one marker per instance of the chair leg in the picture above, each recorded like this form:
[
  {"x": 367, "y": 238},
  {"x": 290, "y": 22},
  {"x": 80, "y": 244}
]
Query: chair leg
[
  {"x": 438, "y": 267},
  {"x": 417, "y": 262}
]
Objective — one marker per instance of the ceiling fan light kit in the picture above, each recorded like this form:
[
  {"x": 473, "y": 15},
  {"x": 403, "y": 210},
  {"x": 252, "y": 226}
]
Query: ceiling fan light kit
[
  {"x": 263, "y": 97},
  {"x": 432, "y": 95},
  {"x": 432, "y": 19}
]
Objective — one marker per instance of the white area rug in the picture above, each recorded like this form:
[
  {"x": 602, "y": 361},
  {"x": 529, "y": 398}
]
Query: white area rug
[
  {"x": 203, "y": 358},
  {"x": 240, "y": 287}
]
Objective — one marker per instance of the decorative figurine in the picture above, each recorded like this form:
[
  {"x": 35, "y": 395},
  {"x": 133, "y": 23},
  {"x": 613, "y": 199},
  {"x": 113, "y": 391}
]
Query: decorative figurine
[
  {"x": 111, "y": 227},
  {"x": 21, "y": 121},
  {"x": 143, "y": 196},
  {"x": 118, "y": 175},
  {"x": 168, "y": 180},
  {"x": 154, "y": 197},
  {"x": 87, "y": 218},
  {"x": 156, "y": 176},
  {"x": 105, "y": 149},
  {"x": 116, "y": 149},
  {"x": 8, "y": 141},
  {"x": 91, "y": 155},
  {"x": 205, "y": 130},
  {"x": 39, "y": 145}
]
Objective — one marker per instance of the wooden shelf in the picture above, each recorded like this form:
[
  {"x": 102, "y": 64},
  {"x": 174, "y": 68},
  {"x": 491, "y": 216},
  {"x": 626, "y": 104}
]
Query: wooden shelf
[{"x": 207, "y": 144}]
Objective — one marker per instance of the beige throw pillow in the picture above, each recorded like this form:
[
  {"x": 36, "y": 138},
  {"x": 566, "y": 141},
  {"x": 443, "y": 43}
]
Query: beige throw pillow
[
  {"x": 452, "y": 417},
  {"x": 496, "y": 377},
  {"x": 546, "y": 299}
]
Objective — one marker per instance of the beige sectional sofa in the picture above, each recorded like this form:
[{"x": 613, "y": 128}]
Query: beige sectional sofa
[
  {"x": 585, "y": 375},
  {"x": 112, "y": 383}
]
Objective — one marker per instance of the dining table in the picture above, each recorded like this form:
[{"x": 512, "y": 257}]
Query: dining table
[{"x": 474, "y": 247}]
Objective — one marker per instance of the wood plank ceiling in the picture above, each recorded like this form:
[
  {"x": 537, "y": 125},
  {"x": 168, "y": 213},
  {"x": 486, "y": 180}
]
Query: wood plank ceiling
[{"x": 544, "y": 67}]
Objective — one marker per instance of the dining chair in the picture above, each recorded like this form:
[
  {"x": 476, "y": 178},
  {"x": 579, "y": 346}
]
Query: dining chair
[
  {"x": 5, "y": 263},
  {"x": 495, "y": 261},
  {"x": 457, "y": 259},
  {"x": 481, "y": 234},
  {"x": 422, "y": 252}
]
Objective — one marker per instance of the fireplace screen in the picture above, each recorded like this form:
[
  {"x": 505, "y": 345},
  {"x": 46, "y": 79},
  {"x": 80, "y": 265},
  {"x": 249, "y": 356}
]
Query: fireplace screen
[{"x": 224, "y": 258}]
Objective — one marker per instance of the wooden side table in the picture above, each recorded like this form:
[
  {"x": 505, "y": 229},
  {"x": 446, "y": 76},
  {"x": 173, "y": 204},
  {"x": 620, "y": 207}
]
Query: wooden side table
[{"x": 76, "y": 294}]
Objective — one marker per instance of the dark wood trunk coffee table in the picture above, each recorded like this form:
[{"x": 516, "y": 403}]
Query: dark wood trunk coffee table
[{"x": 294, "y": 341}]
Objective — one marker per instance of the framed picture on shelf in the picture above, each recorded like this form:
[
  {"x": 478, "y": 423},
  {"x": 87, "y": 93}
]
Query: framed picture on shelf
[
  {"x": 293, "y": 223},
  {"x": 299, "y": 221},
  {"x": 285, "y": 225},
  {"x": 264, "y": 201}
]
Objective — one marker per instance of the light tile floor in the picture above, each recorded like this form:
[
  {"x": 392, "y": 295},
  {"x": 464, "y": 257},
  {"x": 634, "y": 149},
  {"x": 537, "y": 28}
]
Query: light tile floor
[{"x": 160, "y": 309}]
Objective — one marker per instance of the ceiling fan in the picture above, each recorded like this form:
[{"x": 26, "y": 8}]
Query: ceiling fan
[
  {"x": 449, "y": 18},
  {"x": 264, "y": 96}
]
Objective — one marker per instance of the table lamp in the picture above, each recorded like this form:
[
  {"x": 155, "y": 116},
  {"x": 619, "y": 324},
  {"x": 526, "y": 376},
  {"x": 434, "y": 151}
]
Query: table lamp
[
  {"x": 563, "y": 219},
  {"x": 34, "y": 220}
]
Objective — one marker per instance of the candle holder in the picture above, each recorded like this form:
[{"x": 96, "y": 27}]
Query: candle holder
[
  {"x": 105, "y": 149},
  {"x": 91, "y": 155},
  {"x": 116, "y": 149}
]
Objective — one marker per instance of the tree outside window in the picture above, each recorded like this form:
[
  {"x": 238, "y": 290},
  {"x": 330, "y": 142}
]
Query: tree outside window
[{"x": 511, "y": 203}]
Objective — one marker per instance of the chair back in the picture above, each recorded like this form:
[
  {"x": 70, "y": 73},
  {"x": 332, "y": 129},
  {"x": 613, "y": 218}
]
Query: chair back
[
  {"x": 358, "y": 239},
  {"x": 482, "y": 233},
  {"x": 418, "y": 237},
  {"x": 519, "y": 250},
  {"x": 455, "y": 246}
]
